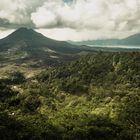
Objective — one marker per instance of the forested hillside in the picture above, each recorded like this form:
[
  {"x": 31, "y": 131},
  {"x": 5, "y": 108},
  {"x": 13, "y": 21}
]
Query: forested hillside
[{"x": 94, "y": 98}]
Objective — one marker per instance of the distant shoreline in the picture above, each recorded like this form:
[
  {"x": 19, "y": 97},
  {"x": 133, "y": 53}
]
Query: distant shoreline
[{"x": 115, "y": 46}]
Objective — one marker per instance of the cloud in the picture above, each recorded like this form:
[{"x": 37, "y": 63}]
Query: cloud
[
  {"x": 44, "y": 18},
  {"x": 83, "y": 18},
  {"x": 4, "y": 33},
  {"x": 17, "y": 13},
  {"x": 95, "y": 15},
  {"x": 78, "y": 35}
]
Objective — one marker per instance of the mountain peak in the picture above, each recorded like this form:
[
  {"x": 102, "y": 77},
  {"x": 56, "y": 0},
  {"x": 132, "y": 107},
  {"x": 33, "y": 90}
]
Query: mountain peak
[
  {"x": 23, "y": 33},
  {"x": 33, "y": 40},
  {"x": 24, "y": 29}
]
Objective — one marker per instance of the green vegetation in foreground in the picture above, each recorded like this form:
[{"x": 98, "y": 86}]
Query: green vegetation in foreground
[{"x": 94, "y": 98}]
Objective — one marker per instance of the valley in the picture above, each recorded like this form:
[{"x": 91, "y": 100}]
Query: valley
[
  {"x": 51, "y": 90},
  {"x": 20, "y": 52},
  {"x": 69, "y": 69}
]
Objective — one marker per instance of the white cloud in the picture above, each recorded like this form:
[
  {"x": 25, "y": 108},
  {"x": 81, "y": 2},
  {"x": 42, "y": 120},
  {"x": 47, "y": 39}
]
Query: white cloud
[
  {"x": 80, "y": 19},
  {"x": 77, "y": 35},
  {"x": 18, "y": 11},
  {"x": 4, "y": 33},
  {"x": 93, "y": 14},
  {"x": 44, "y": 17}
]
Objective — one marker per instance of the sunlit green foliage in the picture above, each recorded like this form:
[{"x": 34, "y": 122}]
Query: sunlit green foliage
[{"x": 94, "y": 98}]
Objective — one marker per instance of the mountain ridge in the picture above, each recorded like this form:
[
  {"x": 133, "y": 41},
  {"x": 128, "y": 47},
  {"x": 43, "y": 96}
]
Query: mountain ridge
[
  {"x": 130, "y": 40},
  {"x": 28, "y": 47},
  {"x": 33, "y": 38}
]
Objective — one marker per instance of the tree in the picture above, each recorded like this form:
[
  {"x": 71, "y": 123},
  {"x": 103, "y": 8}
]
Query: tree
[
  {"x": 17, "y": 77},
  {"x": 130, "y": 115}
]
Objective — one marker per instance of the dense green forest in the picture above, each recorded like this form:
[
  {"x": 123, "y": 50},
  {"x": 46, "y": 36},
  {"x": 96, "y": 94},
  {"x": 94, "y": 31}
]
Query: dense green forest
[{"x": 96, "y": 97}]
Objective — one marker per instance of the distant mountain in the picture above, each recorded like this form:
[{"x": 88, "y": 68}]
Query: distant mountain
[
  {"x": 131, "y": 40},
  {"x": 28, "y": 47},
  {"x": 97, "y": 42},
  {"x": 33, "y": 40}
]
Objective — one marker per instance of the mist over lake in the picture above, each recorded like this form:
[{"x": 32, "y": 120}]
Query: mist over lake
[{"x": 116, "y": 46}]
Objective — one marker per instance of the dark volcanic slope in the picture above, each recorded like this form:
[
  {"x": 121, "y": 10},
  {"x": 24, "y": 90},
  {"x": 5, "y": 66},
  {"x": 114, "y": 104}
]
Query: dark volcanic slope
[
  {"x": 31, "y": 39},
  {"x": 30, "y": 47}
]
